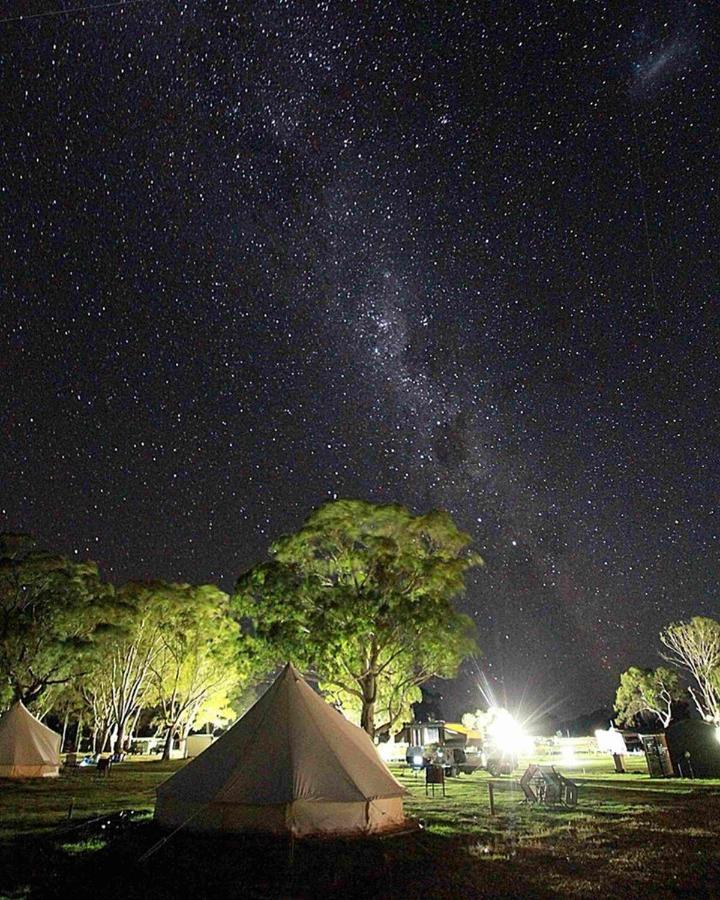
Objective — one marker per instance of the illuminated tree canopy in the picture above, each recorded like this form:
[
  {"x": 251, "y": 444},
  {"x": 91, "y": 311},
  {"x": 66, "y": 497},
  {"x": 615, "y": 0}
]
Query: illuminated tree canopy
[
  {"x": 647, "y": 692},
  {"x": 362, "y": 594},
  {"x": 52, "y": 614}
]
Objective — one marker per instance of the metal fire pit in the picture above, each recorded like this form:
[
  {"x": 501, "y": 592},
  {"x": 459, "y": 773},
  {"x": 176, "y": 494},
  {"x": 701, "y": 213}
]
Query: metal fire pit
[{"x": 545, "y": 785}]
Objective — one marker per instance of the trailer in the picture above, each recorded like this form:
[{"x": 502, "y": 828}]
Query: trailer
[{"x": 459, "y": 750}]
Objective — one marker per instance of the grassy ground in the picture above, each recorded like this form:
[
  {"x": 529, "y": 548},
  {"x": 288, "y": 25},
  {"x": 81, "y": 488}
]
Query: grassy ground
[{"x": 629, "y": 835}]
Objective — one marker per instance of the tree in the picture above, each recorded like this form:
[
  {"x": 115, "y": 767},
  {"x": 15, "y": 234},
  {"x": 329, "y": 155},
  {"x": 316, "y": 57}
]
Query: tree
[
  {"x": 695, "y": 646},
  {"x": 68, "y": 704},
  {"x": 198, "y": 657},
  {"x": 95, "y": 689},
  {"x": 647, "y": 691},
  {"x": 362, "y": 594},
  {"x": 393, "y": 702},
  {"x": 52, "y": 613},
  {"x": 122, "y": 682}
]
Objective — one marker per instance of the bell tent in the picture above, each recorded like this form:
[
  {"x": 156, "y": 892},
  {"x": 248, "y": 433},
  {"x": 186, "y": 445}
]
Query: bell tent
[
  {"x": 694, "y": 748},
  {"x": 28, "y": 749},
  {"x": 292, "y": 764}
]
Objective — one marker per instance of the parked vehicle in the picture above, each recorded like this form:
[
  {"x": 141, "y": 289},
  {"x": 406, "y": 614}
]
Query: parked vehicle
[{"x": 456, "y": 748}]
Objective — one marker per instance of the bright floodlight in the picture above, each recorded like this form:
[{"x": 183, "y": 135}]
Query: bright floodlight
[
  {"x": 610, "y": 741},
  {"x": 505, "y": 732},
  {"x": 567, "y": 752},
  {"x": 388, "y": 751}
]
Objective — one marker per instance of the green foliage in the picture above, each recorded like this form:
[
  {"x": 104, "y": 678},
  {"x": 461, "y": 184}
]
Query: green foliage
[
  {"x": 199, "y": 665},
  {"x": 647, "y": 693},
  {"x": 90, "y": 845},
  {"x": 71, "y": 642},
  {"x": 362, "y": 594},
  {"x": 117, "y": 685},
  {"x": 177, "y": 648},
  {"x": 393, "y": 703},
  {"x": 53, "y": 616}
]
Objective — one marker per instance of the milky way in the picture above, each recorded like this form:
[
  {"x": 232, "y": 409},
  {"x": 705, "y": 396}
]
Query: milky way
[{"x": 259, "y": 255}]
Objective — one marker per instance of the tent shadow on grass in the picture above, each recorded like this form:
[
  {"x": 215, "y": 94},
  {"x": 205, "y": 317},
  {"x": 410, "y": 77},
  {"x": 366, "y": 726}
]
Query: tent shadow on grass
[{"x": 192, "y": 865}]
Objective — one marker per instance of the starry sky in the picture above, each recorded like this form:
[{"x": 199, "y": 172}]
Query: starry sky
[{"x": 258, "y": 255}]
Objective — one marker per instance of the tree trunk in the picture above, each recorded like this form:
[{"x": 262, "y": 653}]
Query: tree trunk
[
  {"x": 367, "y": 716},
  {"x": 168, "y": 743},
  {"x": 64, "y": 731},
  {"x": 79, "y": 733},
  {"x": 133, "y": 729},
  {"x": 120, "y": 739}
]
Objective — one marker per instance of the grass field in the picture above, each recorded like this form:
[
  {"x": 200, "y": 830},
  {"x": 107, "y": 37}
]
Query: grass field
[{"x": 629, "y": 836}]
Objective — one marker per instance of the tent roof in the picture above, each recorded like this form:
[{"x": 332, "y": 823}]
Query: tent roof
[
  {"x": 291, "y": 745},
  {"x": 25, "y": 741}
]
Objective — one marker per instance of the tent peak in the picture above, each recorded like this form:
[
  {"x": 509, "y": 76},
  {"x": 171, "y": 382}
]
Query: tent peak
[
  {"x": 28, "y": 748},
  {"x": 291, "y": 763},
  {"x": 290, "y": 670}
]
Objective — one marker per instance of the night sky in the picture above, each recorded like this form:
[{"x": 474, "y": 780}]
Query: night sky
[{"x": 258, "y": 255}]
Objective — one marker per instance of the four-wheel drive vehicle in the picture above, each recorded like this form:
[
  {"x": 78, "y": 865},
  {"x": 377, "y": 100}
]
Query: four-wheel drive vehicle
[{"x": 456, "y": 748}]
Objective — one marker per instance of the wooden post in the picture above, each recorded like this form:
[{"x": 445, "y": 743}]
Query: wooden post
[{"x": 491, "y": 795}]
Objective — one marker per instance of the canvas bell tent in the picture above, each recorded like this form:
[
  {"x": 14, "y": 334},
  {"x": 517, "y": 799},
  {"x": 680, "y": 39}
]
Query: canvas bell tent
[
  {"x": 694, "y": 748},
  {"x": 291, "y": 764},
  {"x": 28, "y": 749}
]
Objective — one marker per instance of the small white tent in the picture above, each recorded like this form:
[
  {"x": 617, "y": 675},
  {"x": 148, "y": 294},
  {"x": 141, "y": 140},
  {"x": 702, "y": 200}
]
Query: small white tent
[
  {"x": 291, "y": 764},
  {"x": 28, "y": 749}
]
